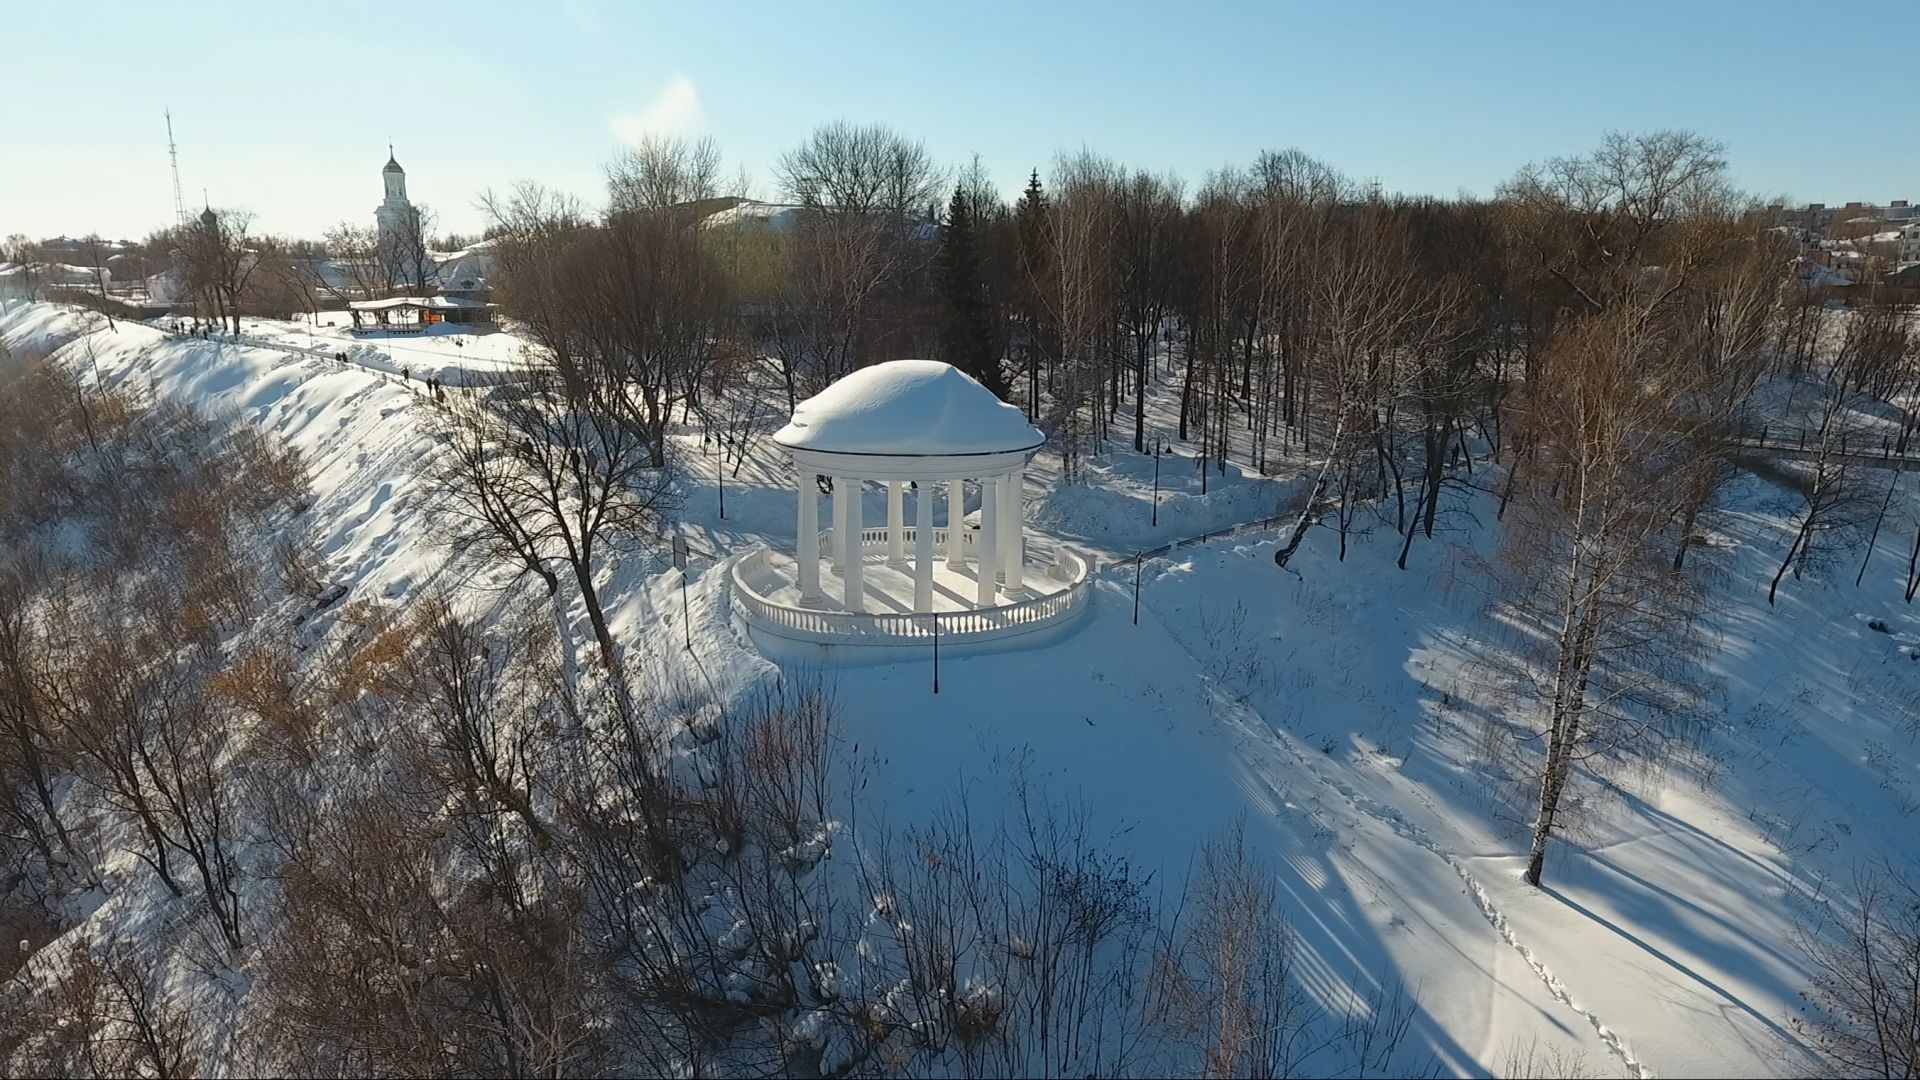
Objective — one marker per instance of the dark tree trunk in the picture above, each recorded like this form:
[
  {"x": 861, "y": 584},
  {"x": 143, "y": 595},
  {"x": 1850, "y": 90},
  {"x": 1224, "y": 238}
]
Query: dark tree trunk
[
  {"x": 1913, "y": 568},
  {"x": 583, "y": 576},
  {"x": 1686, "y": 536},
  {"x": 1435, "y": 475},
  {"x": 1873, "y": 539},
  {"x": 1033, "y": 383},
  {"x": 1142, "y": 346},
  {"x": 1186, "y": 391},
  {"x": 1798, "y": 546}
]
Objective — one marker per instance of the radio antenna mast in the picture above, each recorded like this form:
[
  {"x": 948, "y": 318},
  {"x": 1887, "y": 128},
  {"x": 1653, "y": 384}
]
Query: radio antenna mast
[{"x": 173, "y": 154}]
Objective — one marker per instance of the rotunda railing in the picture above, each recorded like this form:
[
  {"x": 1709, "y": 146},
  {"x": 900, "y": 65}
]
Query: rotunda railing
[{"x": 896, "y": 628}]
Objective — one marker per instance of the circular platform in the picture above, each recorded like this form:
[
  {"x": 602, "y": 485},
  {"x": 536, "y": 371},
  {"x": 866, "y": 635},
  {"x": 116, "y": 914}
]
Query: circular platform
[{"x": 766, "y": 592}]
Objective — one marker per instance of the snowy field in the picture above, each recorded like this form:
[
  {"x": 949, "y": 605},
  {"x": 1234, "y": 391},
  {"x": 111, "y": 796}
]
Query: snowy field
[{"x": 1333, "y": 708}]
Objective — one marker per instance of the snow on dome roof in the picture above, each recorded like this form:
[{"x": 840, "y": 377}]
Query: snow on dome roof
[{"x": 909, "y": 408}]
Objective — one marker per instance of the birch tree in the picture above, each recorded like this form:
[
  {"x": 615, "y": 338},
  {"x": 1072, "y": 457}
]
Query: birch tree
[
  {"x": 1083, "y": 294},
  {"x": 1613, "y": 627}
]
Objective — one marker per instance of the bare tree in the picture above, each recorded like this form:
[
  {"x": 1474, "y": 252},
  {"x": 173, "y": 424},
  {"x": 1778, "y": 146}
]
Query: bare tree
[
  {"x": 108, "y": 705},
  {"x": 1451, "y": 381},
  {"x": 1724, "y": 326},
  {"x": 93, "y": 249},
  {"x": 482, "y": 498},
  {"x": 181, "y": 763},
  {"x": 219, "y": 262},
  {"x": 406, "y": 252},
  {"x": 1609, "y": 458},
  {"x": 543, "y": 477},
  {"x": 654, "y": 315},
  {"x": 1597, "y": 222},
  {"x": 1147, "y": 228},
  {"x": 27, "y": 776},
  {"x": 866, "y": 195},
  {"x": 1225, "y": 983},
  {"x": 1863, "y": 1004},
  {"x": 23, "y": 256},
  {"x": 109, "y": 1012},
  {"x": 398, "y": 953},
  {"x": 358, "y": 271},
  {"x": 479, "y": 694},
  {"x": 1085, "y": 187},
  {"x": 1295, "y": 197},
  {"x": 279, "y": 287},
  {"x": 534, "y": 230},
  {"x": 635, "y": 311},
  {"x": 1837, "y": 497},
  {"x": 1371, "y": 305},
  {"x": 150, "y": 744},
  {"x": 287, "y": 283}
]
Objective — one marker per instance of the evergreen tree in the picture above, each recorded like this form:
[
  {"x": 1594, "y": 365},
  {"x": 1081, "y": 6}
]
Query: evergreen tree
[
  {"x": 1032, "y": 279},
  {"x": 969, "y": 339}
]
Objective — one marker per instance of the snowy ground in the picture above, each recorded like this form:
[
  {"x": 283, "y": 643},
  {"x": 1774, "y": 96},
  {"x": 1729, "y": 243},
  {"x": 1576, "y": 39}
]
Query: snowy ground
[
  {"x": 456, "y": 355},
  {"x": 1333, "y": 709}
]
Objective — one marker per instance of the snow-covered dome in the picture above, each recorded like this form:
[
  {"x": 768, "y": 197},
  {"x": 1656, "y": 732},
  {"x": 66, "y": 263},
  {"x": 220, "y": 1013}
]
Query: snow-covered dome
[{"x": 908, "y": 408}]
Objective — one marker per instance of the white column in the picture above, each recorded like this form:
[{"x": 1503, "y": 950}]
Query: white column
[
  {"x": 807, "y": 541},
  {"x": 989, "y": 534},
  {"x": 854, "y": 596},
  {"x": 1015, "y": 544},
  {"x": 923, "y": 548},
  {"x": 1003, "y": 527},
  {"x": 896, "y": 525},
  {"x": 838, "y": 541},
  {"x": 956, "y": 524}
]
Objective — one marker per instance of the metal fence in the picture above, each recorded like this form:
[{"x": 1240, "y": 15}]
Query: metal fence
[{"x": 1266, "y": 524}]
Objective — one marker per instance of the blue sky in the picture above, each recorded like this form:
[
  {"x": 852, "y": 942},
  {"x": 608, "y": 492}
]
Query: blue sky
[{"x": 286, "y": 109}]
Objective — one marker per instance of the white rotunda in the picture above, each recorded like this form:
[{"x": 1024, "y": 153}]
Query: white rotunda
[{"x": 924, "y": 432}]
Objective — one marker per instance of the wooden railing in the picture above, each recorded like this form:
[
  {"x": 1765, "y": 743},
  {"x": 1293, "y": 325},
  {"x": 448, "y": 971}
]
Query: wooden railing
[{"x": 893, "y": 628}]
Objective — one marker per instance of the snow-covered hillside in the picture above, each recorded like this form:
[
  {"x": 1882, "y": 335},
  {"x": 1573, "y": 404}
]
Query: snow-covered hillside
[{"x": 1334, "y": 710}]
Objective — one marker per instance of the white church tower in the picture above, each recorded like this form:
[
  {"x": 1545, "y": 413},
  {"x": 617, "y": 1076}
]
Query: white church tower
[{"x": 395, "y": 217}]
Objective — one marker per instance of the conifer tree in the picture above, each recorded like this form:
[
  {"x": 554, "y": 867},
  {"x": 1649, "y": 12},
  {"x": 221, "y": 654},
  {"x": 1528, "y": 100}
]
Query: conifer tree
[
  {"x": 1034, "y": 272},
  {"x": 969, "y": 339}
]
